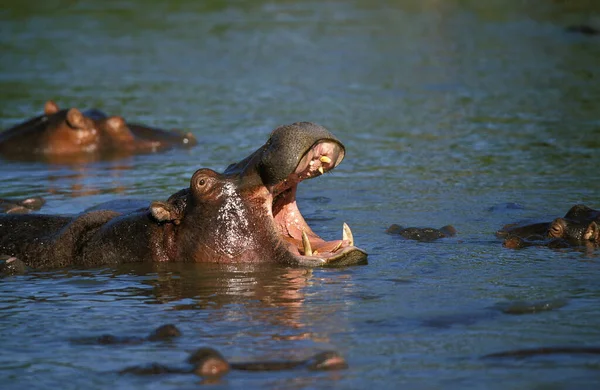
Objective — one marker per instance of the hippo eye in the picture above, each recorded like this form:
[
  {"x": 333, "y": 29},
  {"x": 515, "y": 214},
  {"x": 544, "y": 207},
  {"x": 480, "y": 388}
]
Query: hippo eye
[{"x": 201, "y": 182}]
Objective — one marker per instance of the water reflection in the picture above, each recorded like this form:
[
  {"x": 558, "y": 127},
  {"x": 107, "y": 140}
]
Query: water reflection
[
  {"x": 223, "y": 288},
  {"x": 83, "y": 180}
]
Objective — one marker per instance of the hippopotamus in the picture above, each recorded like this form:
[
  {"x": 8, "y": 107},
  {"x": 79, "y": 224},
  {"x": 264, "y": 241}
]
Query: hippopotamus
[
  {"x": 583, "y": 29},
  {"x": 92, "y": 134},
  {"x": 422, "y": 234},
  {"x": 545, "y": 351},
  {"x": 162, "y": 333},
  {"x": 21, "y": 205},
  {"x": 210, "y": 364},
  {"x": 579, "y": 227},
  {"x": 246, "y": 214},
  {"x": 10, "y": 265}
]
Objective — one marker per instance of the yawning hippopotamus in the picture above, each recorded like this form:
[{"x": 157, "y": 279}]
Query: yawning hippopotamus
[
  {"x": 91, "y": 134},
  {"x": 246, "y": 214},
  {"x": 579, "y": 227}
]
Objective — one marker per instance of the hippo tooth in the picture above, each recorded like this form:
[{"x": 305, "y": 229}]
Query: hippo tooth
[
  {"x": 325, "y": 159},
  {"x": 321, "y": 170},
  {"x": 338, "y": 246},
  {"x": 306, "y": 244},
  {"x": 347, "y": 234}
]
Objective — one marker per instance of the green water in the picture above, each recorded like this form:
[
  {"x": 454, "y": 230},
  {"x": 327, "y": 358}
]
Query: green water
[{"x": 449, "y": 111}]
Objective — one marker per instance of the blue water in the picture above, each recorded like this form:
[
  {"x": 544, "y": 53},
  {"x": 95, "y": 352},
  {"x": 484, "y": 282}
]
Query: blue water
[{"x": 450, "y": 111}]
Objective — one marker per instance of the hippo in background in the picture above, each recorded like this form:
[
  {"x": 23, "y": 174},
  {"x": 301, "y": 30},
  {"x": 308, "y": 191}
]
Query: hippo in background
[
  {"x": 14, "y": 206},
  {"x": 71, "y": 135},
  {"x": 426, "y": 234},
  {"x": 248, "y": 214},
  {"x": 578, "y": 228}
]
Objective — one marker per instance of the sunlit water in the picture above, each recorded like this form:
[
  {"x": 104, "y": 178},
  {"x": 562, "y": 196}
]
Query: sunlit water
[{"x": 450, "y": 111}]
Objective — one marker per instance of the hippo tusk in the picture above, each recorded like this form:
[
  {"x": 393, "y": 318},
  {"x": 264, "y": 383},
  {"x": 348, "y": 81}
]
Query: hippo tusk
[
  {"x": 325, "y": 159},
  {"x": 321, "y": 170},
  {"x": 338, "y": 246},
  {"x": 306, "y": 244},
  {"x": 347, "y": 234}
]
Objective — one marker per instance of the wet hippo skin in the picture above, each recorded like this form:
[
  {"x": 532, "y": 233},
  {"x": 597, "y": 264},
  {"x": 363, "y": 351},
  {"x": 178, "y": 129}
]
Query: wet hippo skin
[
  {"x": 422, "y": 234},
  {"x": 162, "y": 333},
  {"x": 247, "y": 214},
  {"x": 542, "y": 351},
  {"x": 10, "y": 265},
  {"x": 579, "y": 227},
  {"x": 92, "y": 134},
  {"x": 210, "y": 364},
  {"x": 12, "y": 206}
]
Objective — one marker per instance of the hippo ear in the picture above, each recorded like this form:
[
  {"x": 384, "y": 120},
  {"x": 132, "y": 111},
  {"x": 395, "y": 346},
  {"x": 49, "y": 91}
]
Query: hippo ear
[
  {"x": 164, "y": 212},
  {"x": 592, "y": 233},
  {"x": 75, "y": 119},
  {"x": 50, "y": 108}
]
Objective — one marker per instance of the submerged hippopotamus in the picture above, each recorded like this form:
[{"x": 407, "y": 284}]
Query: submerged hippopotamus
[
  {"x": 162, "y": 333},
  {"x": 422, "y": 234},
  {"x": 13, "y": 206},
  {"x": 579, "y": 227},
  {"x": 59, "y": 134},
  {"x": 246, "y": 214},
  {"x": 210, "y": 364}
]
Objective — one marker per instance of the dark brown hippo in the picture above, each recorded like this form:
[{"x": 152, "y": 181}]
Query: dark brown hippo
[
  {"x": 12, "y": 206},
  {"x": 575, "y": 231},
  {"x": 162, "y": 333},
  {"x": 544, "y": 351},
  {"x": 422, "y": 234},
  {"x": 583, "y": 29},
  {"x": 73, "y": 136},
  {"x": 579, "y": 227},
  {"x": 210, "y": 364},
  {"x": 10, "y": 265},
  {"x": 247, "y": 214}
]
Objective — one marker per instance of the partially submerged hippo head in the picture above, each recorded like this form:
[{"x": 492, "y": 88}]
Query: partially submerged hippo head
[
  {"x": 576, "y": 232},
  {"x": 56, "y": 132},
  {"x": 579, "y": 227},
  {"x": 250, "y": 211},
  {"x": 70, "y": 135},
  {"x": 73, "y": 134}
]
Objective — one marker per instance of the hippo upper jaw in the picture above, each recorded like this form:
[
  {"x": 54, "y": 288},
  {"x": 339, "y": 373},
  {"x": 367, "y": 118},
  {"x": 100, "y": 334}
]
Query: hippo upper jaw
[{"x": 304, "y": 245}]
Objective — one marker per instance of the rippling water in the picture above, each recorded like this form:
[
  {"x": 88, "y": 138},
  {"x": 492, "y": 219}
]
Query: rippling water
[{"x": 450, "y": 111}]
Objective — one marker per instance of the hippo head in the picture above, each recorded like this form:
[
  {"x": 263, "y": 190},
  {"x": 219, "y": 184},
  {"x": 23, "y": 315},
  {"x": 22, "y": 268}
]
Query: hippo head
[
  {"x": 69, "y": 131},
  {"x": 82, "y": 131},
  {"x": 294, "y": 153},
  {"x": 249, "y": 213},
  {"x": 576, "y": 232}
]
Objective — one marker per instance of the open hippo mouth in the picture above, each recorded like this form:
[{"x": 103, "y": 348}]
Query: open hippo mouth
[{"x": 303, "y": 243}]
